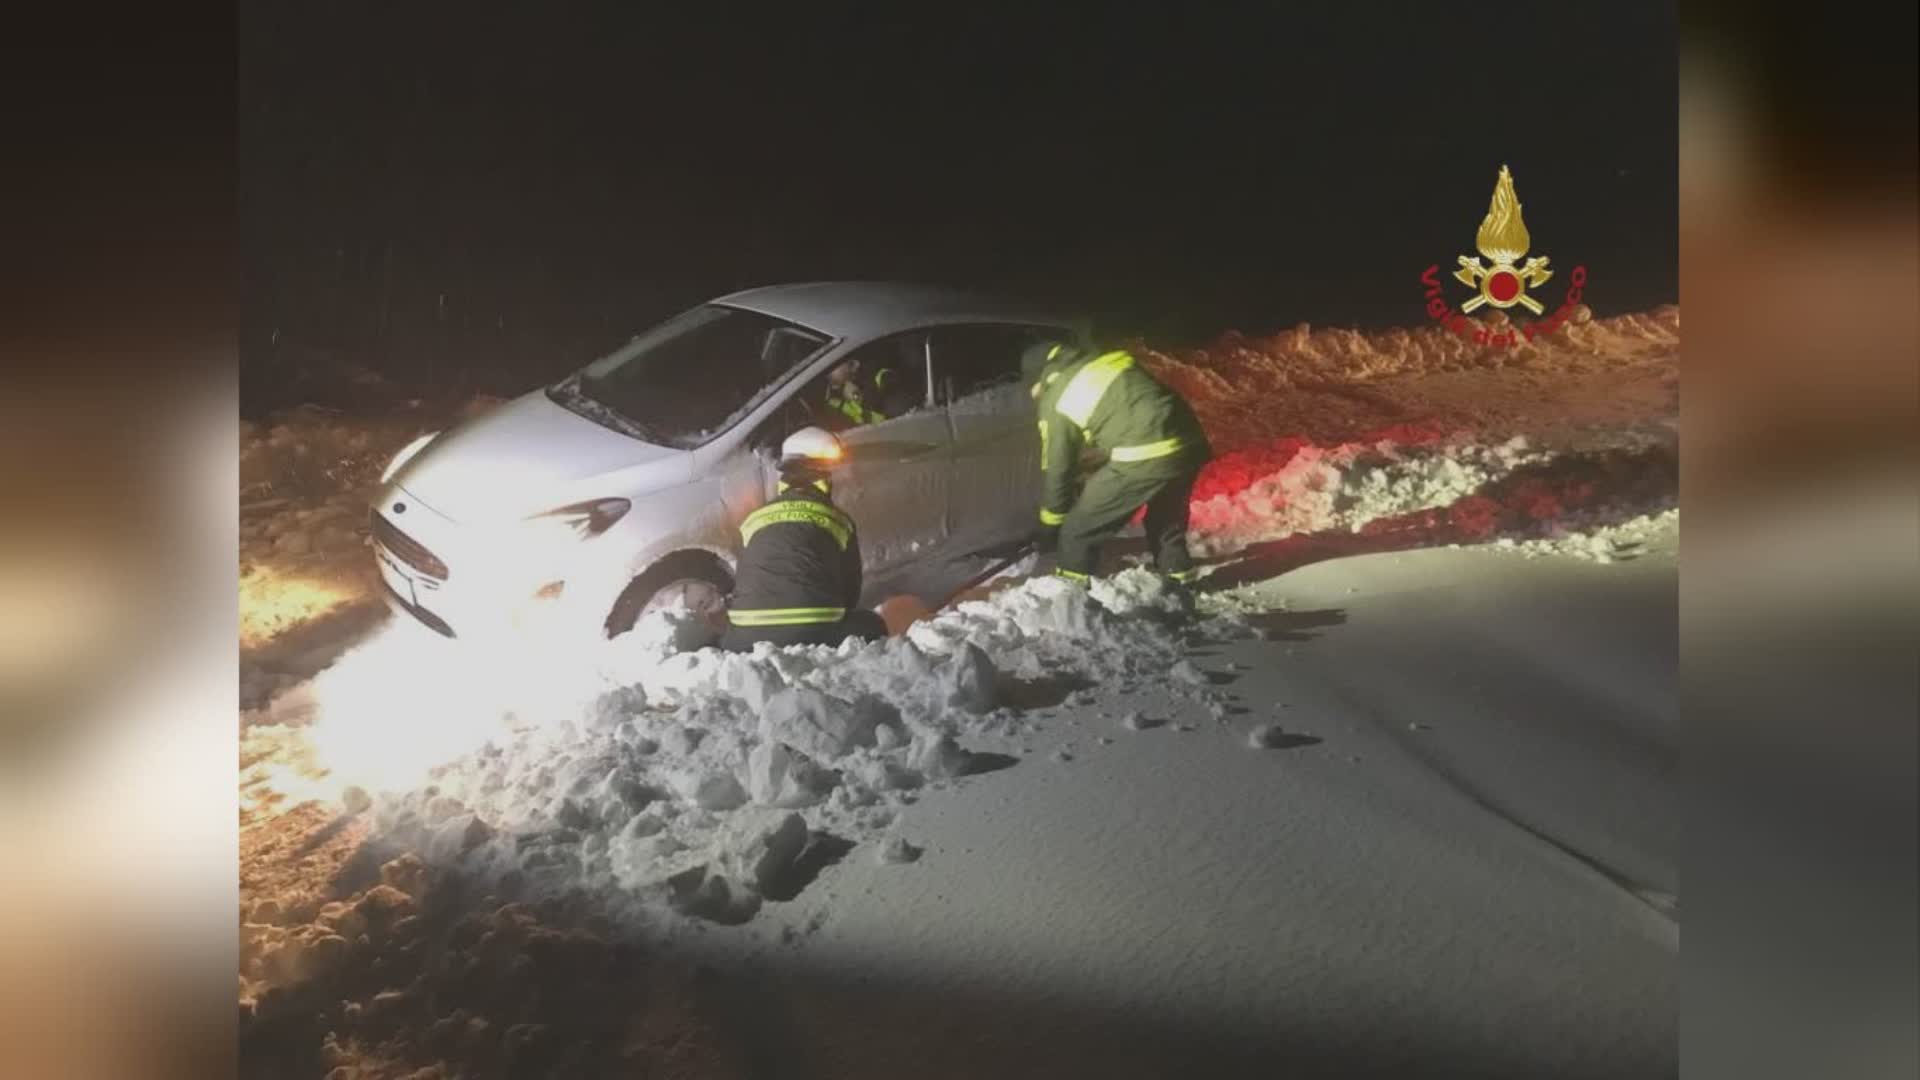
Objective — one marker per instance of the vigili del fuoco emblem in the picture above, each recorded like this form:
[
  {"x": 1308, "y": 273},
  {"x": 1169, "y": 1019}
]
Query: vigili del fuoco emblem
[{"x": 1503, "y": 240}]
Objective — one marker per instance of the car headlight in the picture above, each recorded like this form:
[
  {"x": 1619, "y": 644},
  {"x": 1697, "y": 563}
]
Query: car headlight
[
  {"x": 585, "y": 519},
  {"x": 406, "y": 454}
]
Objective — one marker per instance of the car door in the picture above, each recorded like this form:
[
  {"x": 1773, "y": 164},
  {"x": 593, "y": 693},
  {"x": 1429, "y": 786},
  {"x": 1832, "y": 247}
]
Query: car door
[
  {"x": 995, "y": 491},
  {"x": 895, "y": 478}
]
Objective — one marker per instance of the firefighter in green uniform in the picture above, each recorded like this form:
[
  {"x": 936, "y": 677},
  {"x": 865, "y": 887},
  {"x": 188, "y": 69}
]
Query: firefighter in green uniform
[
  {"x": 799, "y": 576},
  {"x": 1153, "y": 447}
]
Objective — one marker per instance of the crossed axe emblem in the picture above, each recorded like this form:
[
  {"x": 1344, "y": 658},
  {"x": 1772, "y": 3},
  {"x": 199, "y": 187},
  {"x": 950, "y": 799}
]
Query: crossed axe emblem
[{"x": 1503, "y": 284}]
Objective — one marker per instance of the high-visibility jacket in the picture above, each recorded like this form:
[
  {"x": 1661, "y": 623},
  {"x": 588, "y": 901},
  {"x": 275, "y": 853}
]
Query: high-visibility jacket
[
  {"x": 1109, "y": 404},
  {"x": 888, "y": 394},
  {"x": 800, "y": 563}
]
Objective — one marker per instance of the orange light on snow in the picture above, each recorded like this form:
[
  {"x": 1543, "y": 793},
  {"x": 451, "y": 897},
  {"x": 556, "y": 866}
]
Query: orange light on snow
[
  {"x": 272, "y": 603},
  {"x": 403, "y": 701}
]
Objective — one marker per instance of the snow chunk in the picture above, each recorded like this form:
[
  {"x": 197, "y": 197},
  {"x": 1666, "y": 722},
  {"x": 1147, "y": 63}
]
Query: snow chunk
[
  {"x": 752, "y": 854},
  {"x": 776, "y": 776},
  {"x": 616, "y": 707},
  {"x": 709, "y": 790},
  {"x": 939, "y": 757},
  {"x": 758, "y": 847},
  {"x": 1188, "y": 672},
  {"x": 1267, "y": 737},
  {"x": 754, "y": 683},
  {"x": 880, "y": 774},
  {"x": 406, "y": 874},
  {"x": 820, "y": 726},
  {"x": 968, "y": 680},
  {"x": 455, "y": 838},
  {"x": 1135, "y": 591}
]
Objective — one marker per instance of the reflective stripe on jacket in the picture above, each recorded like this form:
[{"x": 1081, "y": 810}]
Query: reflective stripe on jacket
[
  {"x": 1110, "y": 404},
  {"x": 799, "y": 565},
  {"x": 850, "y": 406}
]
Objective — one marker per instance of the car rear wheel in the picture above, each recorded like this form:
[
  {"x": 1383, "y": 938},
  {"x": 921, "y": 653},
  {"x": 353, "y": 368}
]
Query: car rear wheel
[{"x": 697, "y": 580}]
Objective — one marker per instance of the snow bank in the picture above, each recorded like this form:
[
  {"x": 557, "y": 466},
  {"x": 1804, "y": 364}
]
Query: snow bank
[
  {"x": 691, "y": 781},
  {"x": 1317, "y": 489},
  {"x": 1602, "y": 544},
  {"x": 1234, "y": 380}
]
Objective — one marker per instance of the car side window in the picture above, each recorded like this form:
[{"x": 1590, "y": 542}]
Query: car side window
[
  {"x": 872, "y": 383},
  {"x": 970, "y": 359}
]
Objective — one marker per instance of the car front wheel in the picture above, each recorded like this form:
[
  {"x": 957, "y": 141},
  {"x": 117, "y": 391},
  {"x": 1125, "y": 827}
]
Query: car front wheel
[{"x": 695, "y": 580}]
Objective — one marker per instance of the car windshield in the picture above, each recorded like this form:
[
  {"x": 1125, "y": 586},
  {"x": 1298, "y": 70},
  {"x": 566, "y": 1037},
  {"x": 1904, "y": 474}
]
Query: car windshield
[{"x": 690, "y": 378}]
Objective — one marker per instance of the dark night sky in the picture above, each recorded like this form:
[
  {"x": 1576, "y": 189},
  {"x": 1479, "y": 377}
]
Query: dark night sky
[{"x": 562, "y": 179}]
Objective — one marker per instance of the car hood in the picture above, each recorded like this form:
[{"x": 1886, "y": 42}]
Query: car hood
[{"x": 531, "y": 455}]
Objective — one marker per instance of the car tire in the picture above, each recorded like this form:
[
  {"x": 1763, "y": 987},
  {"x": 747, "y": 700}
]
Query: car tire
[{"x": 682, "y": 568}]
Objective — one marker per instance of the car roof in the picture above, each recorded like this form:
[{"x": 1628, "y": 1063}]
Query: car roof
[{"x": 861, "y": 310}]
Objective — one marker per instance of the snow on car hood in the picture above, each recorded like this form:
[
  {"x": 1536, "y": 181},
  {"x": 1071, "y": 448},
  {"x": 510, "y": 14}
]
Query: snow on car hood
[{"x": 531, "y": 455}]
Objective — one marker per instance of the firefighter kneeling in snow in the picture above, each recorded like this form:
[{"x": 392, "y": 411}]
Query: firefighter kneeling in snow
[
  {"x": 799, "y": 575},
  {"x": 1154, "y": 448}
]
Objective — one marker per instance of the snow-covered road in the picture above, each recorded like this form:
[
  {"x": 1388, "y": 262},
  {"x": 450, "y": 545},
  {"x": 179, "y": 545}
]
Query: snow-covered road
[{"x": 1471, "y": 872}]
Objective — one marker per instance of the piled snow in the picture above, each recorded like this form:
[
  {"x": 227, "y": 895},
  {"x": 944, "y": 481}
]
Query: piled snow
[
  {"x": 1345, "y": 487},
  {"x": 1234, "y": 381},
  {"x": 1117, "y": 629},
  {"x": 1601, "y": 544},
  {"x": 668, "y": 779}
]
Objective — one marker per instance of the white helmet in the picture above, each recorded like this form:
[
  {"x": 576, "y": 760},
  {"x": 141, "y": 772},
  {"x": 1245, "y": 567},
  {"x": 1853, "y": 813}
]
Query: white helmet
[{"x": 812, "y": 444}]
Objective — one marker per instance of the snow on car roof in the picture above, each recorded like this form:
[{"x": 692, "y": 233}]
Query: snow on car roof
[{"x": 867, "y": 309}]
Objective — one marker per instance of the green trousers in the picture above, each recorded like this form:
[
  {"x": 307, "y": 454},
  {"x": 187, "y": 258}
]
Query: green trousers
[{"x": 1108, "y": 501}]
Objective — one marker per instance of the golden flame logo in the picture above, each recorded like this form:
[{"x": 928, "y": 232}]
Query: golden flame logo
[
  {"x": 1503, "y": 239},
  {"x": 1503, "y": 232}
]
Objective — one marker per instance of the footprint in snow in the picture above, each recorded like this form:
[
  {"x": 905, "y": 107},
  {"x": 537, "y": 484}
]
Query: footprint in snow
[{"x": 1271, "y": 737}]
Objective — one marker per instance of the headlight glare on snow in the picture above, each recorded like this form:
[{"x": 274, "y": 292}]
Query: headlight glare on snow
[{"x": 406, "y": 454}]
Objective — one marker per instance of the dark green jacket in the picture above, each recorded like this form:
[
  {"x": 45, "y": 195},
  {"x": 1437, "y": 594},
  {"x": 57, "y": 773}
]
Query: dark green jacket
[
  {"x": 800, "y": 563},
  {"x": 1108, "y": 403}
]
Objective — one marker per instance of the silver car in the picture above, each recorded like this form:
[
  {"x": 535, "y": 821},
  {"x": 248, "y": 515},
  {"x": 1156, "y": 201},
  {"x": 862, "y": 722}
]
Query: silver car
[{"x": 621, "y": 487}]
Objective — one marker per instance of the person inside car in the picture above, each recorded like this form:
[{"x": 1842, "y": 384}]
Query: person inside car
[{"x": 855, "y": 398}]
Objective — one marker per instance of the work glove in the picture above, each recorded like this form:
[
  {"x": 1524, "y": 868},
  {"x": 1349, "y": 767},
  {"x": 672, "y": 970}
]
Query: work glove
[{"x": 1046, "y": 539}]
